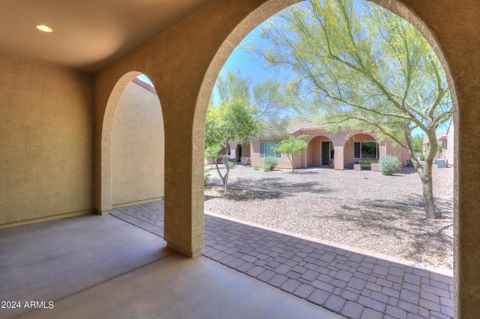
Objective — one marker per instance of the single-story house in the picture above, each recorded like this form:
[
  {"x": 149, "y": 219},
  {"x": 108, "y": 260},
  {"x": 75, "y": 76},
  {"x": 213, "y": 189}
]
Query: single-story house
[{"x": 339, "y": 150}]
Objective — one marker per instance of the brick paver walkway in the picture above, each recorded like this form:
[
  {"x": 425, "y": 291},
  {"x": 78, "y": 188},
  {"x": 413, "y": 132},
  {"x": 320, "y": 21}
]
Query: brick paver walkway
[{"x": 345, "y": 282}]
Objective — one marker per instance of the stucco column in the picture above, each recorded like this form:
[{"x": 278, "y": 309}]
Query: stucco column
[
  {"x": 338, "y": 162},
  {"x": 382, "y": 149},
  {"x": 184, "y": 216}
]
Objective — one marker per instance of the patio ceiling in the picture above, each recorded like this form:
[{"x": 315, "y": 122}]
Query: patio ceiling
[{"x": 86, "y": 34}]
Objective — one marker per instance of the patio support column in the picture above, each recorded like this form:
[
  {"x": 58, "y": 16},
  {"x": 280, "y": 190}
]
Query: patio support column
[
  {"x": 338, "y": 160},
  {"x": 183, "y": 216},
  {"x": 382, "y": 149}
]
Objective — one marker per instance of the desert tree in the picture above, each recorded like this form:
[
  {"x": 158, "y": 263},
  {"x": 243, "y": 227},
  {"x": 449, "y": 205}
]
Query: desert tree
[
  {"x": 355, "y": 64},
  {"x": 291, "y": 146}
]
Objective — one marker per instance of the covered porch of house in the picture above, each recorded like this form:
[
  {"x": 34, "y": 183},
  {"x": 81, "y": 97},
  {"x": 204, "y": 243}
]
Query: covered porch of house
[{"x": 53, "y": 167}]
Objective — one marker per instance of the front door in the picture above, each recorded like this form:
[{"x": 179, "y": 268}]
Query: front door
[{"x": 325, "y": 153}]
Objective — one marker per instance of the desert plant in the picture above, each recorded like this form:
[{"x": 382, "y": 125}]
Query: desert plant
[
  {"x": 389, "y": 164},
  {"x": 293, "y": 145},
  {"x": 269, "y": 164},
  {"x": 353, "y": 64}
]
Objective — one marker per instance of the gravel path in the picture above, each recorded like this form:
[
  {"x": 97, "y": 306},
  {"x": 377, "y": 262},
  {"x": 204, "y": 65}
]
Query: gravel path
[{"x": 362, "y": 209}]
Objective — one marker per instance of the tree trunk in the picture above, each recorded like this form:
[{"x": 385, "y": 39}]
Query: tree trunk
[
  {"x": 290, "y": 159},
  {"x": 426, "y": 178},
  {"x": 227, "y": 172},
  {"x": 425, "y": 173}
]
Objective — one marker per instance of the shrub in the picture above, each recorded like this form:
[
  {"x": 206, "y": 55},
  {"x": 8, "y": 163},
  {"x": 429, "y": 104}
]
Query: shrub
[
  {"x": 269, "y": 164},
  {"x": 206, "y": 176},
  {"x": 389, "y": 164},
  {"x": 257, "y": 167},
  {"x": 422, "y": 157},
  {"x": 231, "y": 164}
]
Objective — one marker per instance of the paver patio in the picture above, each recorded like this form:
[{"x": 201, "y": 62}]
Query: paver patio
[{"x": 348, "y": 283}]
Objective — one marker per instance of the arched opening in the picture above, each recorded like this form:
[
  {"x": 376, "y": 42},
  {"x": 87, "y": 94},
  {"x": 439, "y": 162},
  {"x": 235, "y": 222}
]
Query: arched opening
[
  {"x": 356, "y": 148},
  {"x": 360, "y": 148},
  {"x": 132, "y": 150},
  {"x": 320, "y": 152}
]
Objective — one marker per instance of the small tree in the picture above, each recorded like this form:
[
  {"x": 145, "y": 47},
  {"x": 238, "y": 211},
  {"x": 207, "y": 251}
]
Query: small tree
[
  {"x": 293, "y": 145},
  {"x": 226, "y": 123},
  {"x": 359, "y": 65}
]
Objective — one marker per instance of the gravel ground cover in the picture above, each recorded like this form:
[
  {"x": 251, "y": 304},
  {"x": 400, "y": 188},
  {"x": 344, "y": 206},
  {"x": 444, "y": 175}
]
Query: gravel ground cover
[{"x": 363, "y": 209}]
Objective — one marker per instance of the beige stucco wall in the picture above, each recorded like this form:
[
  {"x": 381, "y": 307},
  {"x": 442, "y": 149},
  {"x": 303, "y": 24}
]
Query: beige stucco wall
[
  {"x": 137, "y": 147},
  {"x": 46, "y": 141},
  {"x": 256, "y": 160},
  {"x": 400, "y": 152}
]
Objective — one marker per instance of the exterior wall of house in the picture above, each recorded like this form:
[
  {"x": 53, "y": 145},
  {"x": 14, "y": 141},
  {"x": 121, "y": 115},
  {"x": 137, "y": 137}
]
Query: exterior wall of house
[
  {"x": 46, "y": 141},
  {"x": 257, "y": 160},
  {"x": 394, "y": 149},
  {"x": 343, "y": 142},
  {"x": 137, "y": 147}
]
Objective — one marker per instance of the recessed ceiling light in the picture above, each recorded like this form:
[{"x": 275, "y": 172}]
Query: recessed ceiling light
[{"x": 44, "y": 28}]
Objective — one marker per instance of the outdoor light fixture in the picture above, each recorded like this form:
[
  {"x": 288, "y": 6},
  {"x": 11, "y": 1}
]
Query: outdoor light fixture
[{"x": 44, "y": 28}]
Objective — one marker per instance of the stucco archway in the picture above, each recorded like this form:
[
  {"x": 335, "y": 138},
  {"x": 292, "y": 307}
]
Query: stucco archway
[
  {"x": 257, "y": 16},
  {"x": 316, "y": 155},
  {"x": 106, "y": 199},
  {"x": 353, "y": 149}
]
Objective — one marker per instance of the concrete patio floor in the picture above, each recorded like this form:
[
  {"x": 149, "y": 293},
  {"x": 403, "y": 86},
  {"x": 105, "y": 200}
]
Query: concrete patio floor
[
  {"x": 102, "y": 267},
  {"x": 352, "y": 284}
]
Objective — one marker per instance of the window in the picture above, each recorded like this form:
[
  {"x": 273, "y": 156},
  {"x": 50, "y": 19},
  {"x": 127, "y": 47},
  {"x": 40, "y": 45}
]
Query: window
[
  {"x": 268, "y": 149},
  {"x": 365, "y": 150}
]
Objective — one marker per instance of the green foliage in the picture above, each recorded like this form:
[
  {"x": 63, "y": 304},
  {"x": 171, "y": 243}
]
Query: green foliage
[
  {"x": 264, "y": 100},
  {"x": 357, "y": 65},
  {"x": 206, "y": 176},
  {"x": 417, "y": 142},
  {"x": 293, "y": 145},
  {"x": 269, "y": 164},
  {"x": 231, "y": 164},
  {"x": 389, "y": 164},
  {"x": 422, "y": 157},
  {"x": 257, "y": 167},
  {"x": 232, "y": 119}
]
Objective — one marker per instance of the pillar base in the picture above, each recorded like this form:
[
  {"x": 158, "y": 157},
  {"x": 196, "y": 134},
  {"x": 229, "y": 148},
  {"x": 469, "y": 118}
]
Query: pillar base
[
  {"x": 185, "y": 252},
  {"x": 103, "y": 212}
]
